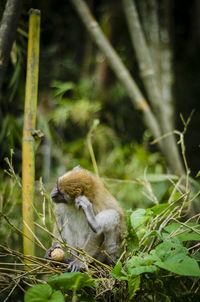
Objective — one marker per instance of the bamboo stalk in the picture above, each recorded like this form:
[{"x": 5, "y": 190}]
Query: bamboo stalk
[{"x": 28, "y": 143}]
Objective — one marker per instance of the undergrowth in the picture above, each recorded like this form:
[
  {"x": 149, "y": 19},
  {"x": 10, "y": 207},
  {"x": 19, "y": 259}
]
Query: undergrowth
[{"x": 158, "y": 261}]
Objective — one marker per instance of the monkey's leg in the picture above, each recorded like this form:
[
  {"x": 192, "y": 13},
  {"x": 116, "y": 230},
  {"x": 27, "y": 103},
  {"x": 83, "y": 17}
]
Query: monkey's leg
[
  {"x": 109, "y": 221},
  {"x": 91, "y": 247},
  {"x": 107, "y": 240}
]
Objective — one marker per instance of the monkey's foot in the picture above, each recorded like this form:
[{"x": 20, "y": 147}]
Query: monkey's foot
[{"x": 75, "y": 266}]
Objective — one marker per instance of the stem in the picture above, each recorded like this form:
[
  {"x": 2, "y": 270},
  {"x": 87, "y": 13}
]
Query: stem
[{"x": 28, "y": 144}]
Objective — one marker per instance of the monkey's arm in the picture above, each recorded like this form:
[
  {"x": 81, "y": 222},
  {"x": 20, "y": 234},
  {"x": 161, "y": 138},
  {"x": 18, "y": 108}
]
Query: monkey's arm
[
  {"x": 57, "y": 234},
  {"x": 82, "y": 202}
]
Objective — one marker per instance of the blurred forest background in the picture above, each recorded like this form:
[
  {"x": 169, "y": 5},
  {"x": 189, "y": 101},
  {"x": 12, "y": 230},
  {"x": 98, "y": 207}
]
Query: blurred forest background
[
  {"x": 81, "y": 102},
  {"x": 87, "y": 109}
]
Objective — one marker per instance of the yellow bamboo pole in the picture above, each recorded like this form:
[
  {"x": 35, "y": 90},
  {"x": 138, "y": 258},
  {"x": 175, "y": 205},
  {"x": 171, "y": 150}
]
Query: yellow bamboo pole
[{"x": 28, "y": 143}]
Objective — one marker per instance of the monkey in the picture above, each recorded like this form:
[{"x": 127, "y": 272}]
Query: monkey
[{"x": 88, "y": 216}]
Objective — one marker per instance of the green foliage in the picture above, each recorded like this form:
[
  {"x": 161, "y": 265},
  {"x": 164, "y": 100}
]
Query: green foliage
[
  {"x": 10, "y": 204},
  {"x": 166, "y": 253},
  {"x": 158, "y": 254},
  {"x": 43, "y": 293},
  {"x": 10, "y": 134},
  {"x": 71, "y": 281},
  {"x": 188, "y": 231},
  {"x": 52, "y": 291}
]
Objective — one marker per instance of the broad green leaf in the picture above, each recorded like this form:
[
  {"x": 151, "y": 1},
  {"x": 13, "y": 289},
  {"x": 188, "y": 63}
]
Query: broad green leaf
[
  {"x": 133, "y": 285},
  {"x": 159, "y": 208},
  {"x": 71, "y": 281},
  {"x": 118, "y": 272},
  {"x": 57, "y": 296},
  {"x": 138, "y": 217},
  {"x": 141, "y": 264},
  {"x": 166, "y": 249},
  {"x": 43, "y": 293},
  {"x": 156, "y": 210},
  {"x": 183, "y": 233},
  {"x": 185, "y": 266},
  {"x": 173, "y": 257}
]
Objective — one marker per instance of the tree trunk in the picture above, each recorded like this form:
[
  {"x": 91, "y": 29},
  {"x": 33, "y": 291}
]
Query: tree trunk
[{"x": 7, "y": 33}]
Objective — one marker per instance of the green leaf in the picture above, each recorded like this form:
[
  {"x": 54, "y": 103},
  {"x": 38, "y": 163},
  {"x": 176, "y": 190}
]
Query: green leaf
[
  {"x": 159, "y": 177},
  {"x": 154, "y": 233},
  {"x": 183, "y": 233},
  {"x": 43, "y": 293},
  {"x": 118, "y": 272},
  {"x": 62, "y": 87},
  {"x": 133, "y": 285},
  {"x": 139, "y": 217},
  {"x": 141, "y": 264},
  {"x": 173, "y": 258},
  {"x": 198, "y": 174},
  {"x": 131, "y": 237},
  {"x": 71, "y": 281},
  {"x": 159, "y": 208},
  {"x": 184, "y": 266},
  {"x": 57, "y": 296}
]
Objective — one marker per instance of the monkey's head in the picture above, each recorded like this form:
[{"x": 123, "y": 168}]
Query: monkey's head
[
  {"x": 59, "y": 196},
  {"x": 71, "y": 185}
]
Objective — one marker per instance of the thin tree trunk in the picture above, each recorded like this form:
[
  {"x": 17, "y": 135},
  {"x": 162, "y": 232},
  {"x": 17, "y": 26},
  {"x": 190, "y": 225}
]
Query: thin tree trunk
[
  {"x": 8, "y": 29},
  {"x": 166, "y": 61},
  {"x": 152, "y": 86},
  {"x": 157, "y": 34},
  {"x": 129, "y": 84}
]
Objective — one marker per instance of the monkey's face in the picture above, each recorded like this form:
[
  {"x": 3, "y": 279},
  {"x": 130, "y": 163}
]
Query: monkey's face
[{"x": 59, "y": 197}]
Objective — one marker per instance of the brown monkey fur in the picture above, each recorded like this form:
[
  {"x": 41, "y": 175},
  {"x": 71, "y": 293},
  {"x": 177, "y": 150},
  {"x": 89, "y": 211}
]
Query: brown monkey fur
[{"x": 83, "y": 182}]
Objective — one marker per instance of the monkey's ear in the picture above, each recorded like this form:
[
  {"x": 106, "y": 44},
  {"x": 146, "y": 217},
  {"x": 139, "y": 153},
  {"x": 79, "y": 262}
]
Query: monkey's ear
[{"x": 77, "y": 168}]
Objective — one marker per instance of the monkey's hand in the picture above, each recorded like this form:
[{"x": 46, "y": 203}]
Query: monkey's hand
[
  {"x": 82, "y": 202},
  {"x": 49, "y": 251}
]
